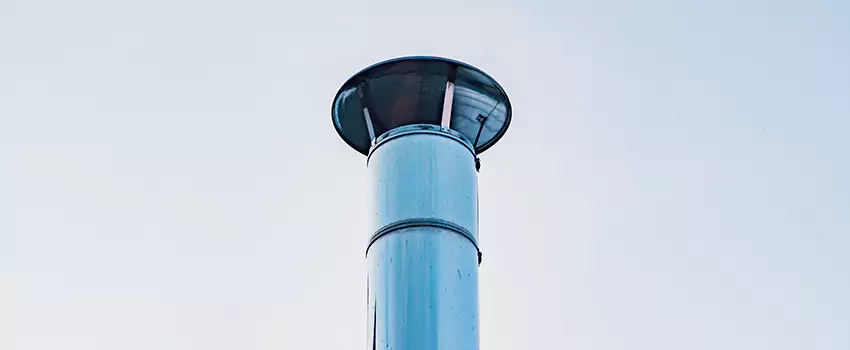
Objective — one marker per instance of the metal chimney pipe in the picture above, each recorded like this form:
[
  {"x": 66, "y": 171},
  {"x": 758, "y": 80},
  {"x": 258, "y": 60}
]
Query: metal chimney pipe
[
  {"x": 423, "y": 255},
  {"x": 416, "y": 118}
]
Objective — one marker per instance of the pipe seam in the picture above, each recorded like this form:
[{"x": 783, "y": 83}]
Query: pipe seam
[{"x": 423, "y": 222}]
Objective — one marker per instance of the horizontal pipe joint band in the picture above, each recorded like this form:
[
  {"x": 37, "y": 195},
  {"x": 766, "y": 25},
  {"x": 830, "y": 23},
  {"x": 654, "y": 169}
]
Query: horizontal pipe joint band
[
  {"x": 419, "y": 129},
  {"x": 402, "y": 224}
]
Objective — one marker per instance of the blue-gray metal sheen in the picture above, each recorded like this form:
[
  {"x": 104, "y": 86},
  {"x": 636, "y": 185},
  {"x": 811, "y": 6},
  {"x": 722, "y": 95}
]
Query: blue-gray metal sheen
[
  {"x": 422, "y": 122},
  {"x": 423, "y": 278}
]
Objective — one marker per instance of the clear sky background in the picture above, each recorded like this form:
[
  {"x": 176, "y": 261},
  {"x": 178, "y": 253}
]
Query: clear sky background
[{"x": 676, "y": 176}]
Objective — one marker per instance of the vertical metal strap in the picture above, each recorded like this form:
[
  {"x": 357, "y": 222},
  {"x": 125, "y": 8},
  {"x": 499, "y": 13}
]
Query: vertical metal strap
[
  {"x": 449, "y": 97},
  {"x": 369, "y": 126}
]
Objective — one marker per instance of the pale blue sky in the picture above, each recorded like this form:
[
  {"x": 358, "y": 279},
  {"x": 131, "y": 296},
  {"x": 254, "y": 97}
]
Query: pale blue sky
[{"x": 677, "y": 174}]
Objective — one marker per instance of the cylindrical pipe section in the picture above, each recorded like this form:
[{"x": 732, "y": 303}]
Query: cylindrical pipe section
[{"x": 423, "y": 253}]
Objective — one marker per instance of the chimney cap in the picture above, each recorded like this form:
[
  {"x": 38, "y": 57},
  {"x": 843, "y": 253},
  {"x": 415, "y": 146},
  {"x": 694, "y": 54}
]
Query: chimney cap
[{"x": 412, "y": 90}]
